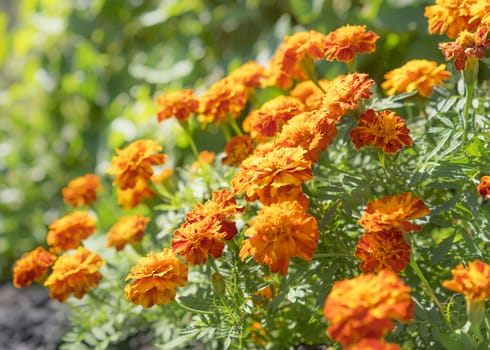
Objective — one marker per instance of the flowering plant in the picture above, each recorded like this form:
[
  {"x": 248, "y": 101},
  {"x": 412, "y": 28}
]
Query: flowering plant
[{"x": 332, "y": 215}]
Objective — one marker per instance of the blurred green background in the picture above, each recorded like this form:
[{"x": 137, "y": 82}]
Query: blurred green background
[{"x": 80, "y": 78}]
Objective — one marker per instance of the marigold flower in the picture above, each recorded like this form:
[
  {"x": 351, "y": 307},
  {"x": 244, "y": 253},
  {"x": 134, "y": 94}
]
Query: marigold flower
[
  {"x": 67, "y": 232},
  {"x": 274, "y": 113},
  {"x": 467, "y": 46},
  {"x": 82, "y": 190},
  {"x": 393, "y": 212},
  {"x": 155, "y": 278},
  {"x": 135, "y": 163},
  {"x": 74, "y": 274},
  {"x": 281, "y": 231},
  {"x": 473, "y": 281},
  {"x": 248, "y": 74},
  {"x": 196, "y": 239},
  {"x": 309, "y": 93},
  {"x": 204, "y": 158},
  {"x": 266, "y": 177},
  {"x": 344, "y": 94},
  {"x": 132, "y": 197},
  {"x": 484, "y": 187},
  {"x": 257, "y": 333},
  {"x": 384, "y": 130},
  {"x": 237, "y": 149},
  {"x": 292, "y": 54},
  {"x": 451, "y": 16},
  {"x": 129, "y": 229},
  {"x": 181, "y": 104},
  {"x": 480, "y": 13},
  {"x": 364, "y": 307},
  {"x": 224, "y": 99},
  {"x": 383, "y": 249},
  {"x": 163, "y": 176},
  {"x": 32, "y": 267},
  {"x": 374, "y": 344},
  {"x": 420, "y": 75},
  {"x": 345, "y": 42}
]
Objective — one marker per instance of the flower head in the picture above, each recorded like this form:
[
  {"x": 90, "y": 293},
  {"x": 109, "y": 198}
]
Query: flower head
[
  {"x": 484, "y": 187},
  {"x": 420, "y": 75},
  {"x": 383, "y": 249},
  {"x": 132, "y": 197},
  {"x": 364, "y": 307},
  {"x": 309, "y": 93},
  {"x": 384, "y": 130},
  {"x": 181, "y": 104},
  {"x": 135, "y": 162},
  {"x": 82, "y": 190},
  {"x": 393, "y": 212},
  {"x": 204, "y": 158},
  {"x": 346, "y": 42},
  {"x": 67, "y": 232},
  {"x": 32, "y": 267},
  {"x": 74, "y": 274},
  {"x": 281, "y": 231},
  {"x": 450, "y": 17},
  {"x": 473, "y": 281},
  {"x": 155, "y": 278},
  {"x": 129, "y": 229},
  {"x": 237, "y": 149},
  {"x": 248, "y": 74},
  {"x": 374, "y": 344}
]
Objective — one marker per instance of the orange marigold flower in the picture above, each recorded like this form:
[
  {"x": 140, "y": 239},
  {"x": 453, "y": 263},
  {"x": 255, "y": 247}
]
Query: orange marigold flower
[
  {"x": 248, "y": 74},
  {"x": 155, "y": 278},
  {"x": 196, "y": 239},
  {"x": 204, "y": 158},
  {"x": 292, "y": 54},
  {"x": 281, "y": 231},
  {"x": 257, "y": 333},
  {"x": 132, "y": 197},
  {"x": 344, "y": 94},
  {"x": 365, "y": 307},
  {"x": 480, "y": 13},
  {"x": 467, "y": 46},
  {"x": 181, "y": 104},
  {"x": 135, "y": 163},
  {"x": 309, "y": 93},
  {"x": 163, "y": 176},
  {"x": 237, "y": 149},
  {"x": 310, "y": 131},
  {"x": 67, "y": 232},
  {"x": 345, "y": 42},
  {"x": 420, "y": 75},
  {"x": 383, "y": 249},
  {"x": 384, "y": 130},
  {"x": 32, "y": 267},
  {"x": 77, "y": 274},
  {"x": 82, "y": 190},
  {"x": 276, "y": 112},
  {"x": 393, "y": 212},
  {"x": 266, "y": 177},
  {"x": 451, "y": 16},
  {"x": 129, "y": 229},
  {"x": 484, "y": 187},
  {"x": 224, "y": 99},
  {"x": 374, "y": 344},
  {"x": 473, "y": 281}
]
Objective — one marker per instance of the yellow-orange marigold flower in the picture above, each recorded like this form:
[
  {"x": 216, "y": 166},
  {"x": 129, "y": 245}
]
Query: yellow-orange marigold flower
[
  {"x": 32, "y": 267},
  {"x": 74, "y": 274},
  {"x": 473, "y": 281},
  {"x": 155, "y": 278},
  {"x": 237, "y": 149},
  {"x": 135, "y": 162},
  {"x": 374, "y": 344},
  {"x": 180, "y": 104},
  {"x": 276, "y": 112},
  {"x": 344, "y": 94},
  {"x": 383, "y": 249},
  {"x": 467, "y": 46},
  {"x": 295, "y": 51},
  {"x": 364, "y": 307},
  {"x": 281, "y": 231},
  {"x": 393, "y": 212},
  {"x": 484, "y": 187},
  {"x": 384, "y": 130},
  {"x": 82, "y": 190},
  {"x": 129, "y": 229},
  {"x": 344, "y": 43},
  {"x": 67, "y": 232},
  {"x": 132, "y": 197},
  {"x": 309, "y": 93},
  {"x": 451, "y": 16},
  {"x": 420, "y": 75},
  {"x": 196, "y": 239},
  {"x": 266, "y": 177},
  {"x": 480, "y": 13},
  {"x": 248, "y": 74},
  {"x": 204, "y": 158},
  {"x": 222, "y": 100}
]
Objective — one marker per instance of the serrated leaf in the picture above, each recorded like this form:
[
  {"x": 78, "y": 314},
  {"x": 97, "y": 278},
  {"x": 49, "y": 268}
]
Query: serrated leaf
[{"x": 442, "y": 249}]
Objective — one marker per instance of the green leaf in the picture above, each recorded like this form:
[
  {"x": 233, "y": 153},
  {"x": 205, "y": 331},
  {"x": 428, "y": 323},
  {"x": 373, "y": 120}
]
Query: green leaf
[{"x": 442, "y": 249}]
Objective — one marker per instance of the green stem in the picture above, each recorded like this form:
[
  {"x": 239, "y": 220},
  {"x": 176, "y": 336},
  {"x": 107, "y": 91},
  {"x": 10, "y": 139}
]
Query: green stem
[
  {"x": 352, "y": 65},
  {"x": 308, "y": 67},
  {"x": 188, "y": 134},
  {"x": 226, "y": 131},
  {"x": 470, "y": 87},
  {"x": 190, "y": 309},
  {"x": 235, "y": 126}
]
